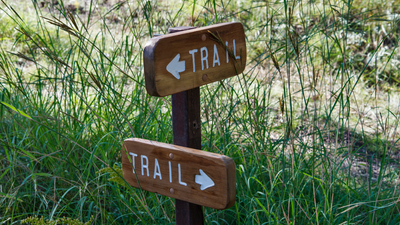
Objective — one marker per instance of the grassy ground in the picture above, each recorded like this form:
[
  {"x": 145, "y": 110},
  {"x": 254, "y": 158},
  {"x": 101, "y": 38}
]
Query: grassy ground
[{"x": 312, "y": 124}]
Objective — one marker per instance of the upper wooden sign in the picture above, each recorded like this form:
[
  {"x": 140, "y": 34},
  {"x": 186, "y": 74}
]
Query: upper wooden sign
[
  {"x": 181, "y": 61},
  {"x": 191, "y": 175}
]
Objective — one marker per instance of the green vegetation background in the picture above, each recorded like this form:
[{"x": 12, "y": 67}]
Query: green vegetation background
[{"x": 311, "y": 124}]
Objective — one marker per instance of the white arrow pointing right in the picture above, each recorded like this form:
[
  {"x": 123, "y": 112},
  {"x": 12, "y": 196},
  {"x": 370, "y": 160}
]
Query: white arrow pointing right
[
  {"x": 175, "y": 67},
  {"x": 204, "y": 180}
]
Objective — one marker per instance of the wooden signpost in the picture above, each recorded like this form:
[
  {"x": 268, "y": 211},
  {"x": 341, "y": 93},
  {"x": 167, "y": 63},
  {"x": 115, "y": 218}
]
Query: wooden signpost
[
  {"x": 195, "y": 176},
  {"x": 188, "y": 59},
  {"x": 178, "y": 64}
]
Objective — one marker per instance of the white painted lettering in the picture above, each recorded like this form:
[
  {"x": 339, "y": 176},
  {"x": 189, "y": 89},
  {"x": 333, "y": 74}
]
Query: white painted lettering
[
  {"x": 234, "y": 49},
  {"x": 194, "y": 64},
  {"x": 179, "y": 173},
  {"x": 227, "y": 53},
  {"x": 170, "y": 172},
  {"x": 157, "y": 171},
  {"x": 216, "y": 56},
  {"x": 145, "y": 165},
  {"x": 133, "y": 160},
  {"x": 204, "y": 57}
]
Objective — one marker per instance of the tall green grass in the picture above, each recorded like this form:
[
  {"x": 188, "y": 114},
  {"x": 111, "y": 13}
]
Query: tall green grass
[{"x": 311, "y": 124}]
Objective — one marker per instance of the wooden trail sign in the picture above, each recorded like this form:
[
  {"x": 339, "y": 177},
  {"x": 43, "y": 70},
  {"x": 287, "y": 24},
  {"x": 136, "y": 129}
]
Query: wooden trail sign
[
  {"x": 191, "y": 175},
  {"x": 188, "y": 59}
]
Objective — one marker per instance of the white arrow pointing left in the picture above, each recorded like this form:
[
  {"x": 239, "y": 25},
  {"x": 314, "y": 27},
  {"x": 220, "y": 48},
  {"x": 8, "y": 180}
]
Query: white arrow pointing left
[
  {"x": 204, "y": 180},
  {"x": 175, "y": 67}
]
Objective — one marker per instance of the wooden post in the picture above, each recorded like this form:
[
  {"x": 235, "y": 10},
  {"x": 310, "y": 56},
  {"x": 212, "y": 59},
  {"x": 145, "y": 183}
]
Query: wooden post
[
  {"x": 170, "y": 69},
  {"x": 186, "y": 132}
]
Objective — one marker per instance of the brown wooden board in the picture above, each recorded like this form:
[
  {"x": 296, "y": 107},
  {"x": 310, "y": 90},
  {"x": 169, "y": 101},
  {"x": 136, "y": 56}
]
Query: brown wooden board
[
  {"x": 180, "y": 172},
  {"x": 181, "y": 61}
]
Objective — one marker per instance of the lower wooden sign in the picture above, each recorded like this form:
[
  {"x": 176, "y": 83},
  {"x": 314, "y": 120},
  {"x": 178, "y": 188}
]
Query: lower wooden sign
[{"x": 191, "y": 175}]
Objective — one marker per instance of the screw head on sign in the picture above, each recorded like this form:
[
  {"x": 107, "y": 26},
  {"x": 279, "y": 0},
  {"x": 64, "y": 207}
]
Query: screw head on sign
[
  {"x": 171, "y": 156},
  {"x": 171, "y": 190},
  {"x": 203, "y": 37},
  {"x": 205, "y": 77}
]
